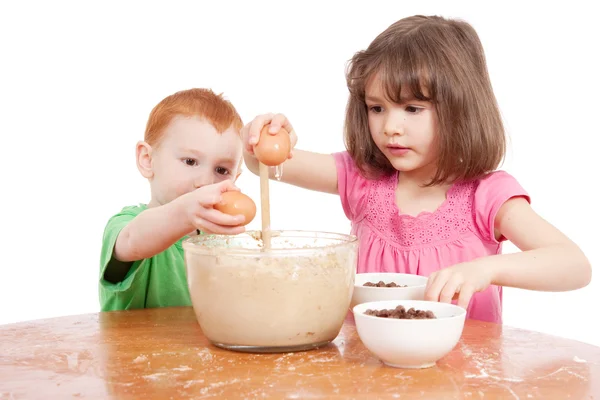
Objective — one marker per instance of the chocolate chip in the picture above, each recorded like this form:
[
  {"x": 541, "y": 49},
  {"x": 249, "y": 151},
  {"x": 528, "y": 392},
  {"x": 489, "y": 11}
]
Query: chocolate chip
[{"x": 401, "y": 313}]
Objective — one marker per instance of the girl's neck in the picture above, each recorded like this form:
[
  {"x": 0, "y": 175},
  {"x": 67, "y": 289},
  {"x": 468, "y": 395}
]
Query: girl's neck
[
  {"x": 417, "y": 184},
  {"x": 413, "y": 197},
  {"x": 416, "y": 178}
]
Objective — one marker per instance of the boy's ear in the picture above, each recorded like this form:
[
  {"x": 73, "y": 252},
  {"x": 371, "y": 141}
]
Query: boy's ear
[{"x": 143, "y": 157}]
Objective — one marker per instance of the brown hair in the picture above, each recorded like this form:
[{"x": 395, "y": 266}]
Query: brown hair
[
  {"x": 203, "y": 103},
  {"x": 442, "y": 61}
]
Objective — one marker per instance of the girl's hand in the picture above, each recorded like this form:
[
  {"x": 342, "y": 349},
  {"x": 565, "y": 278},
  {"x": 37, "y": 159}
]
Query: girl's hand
[
  {"x": 251, "y": 132},
  {"x": 460, "y": 282},
  {"x": 197, "y": 207}
]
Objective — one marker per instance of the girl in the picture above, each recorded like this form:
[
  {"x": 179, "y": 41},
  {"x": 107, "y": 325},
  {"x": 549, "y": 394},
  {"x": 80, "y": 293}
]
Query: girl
[{"x": 424, "y": 137}]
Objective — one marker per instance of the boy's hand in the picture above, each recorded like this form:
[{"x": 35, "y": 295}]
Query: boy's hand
[
  {"x": 251, "y": 131},
  {"x": 460, "y": 282},
  {"x": 198, "y": 208}
]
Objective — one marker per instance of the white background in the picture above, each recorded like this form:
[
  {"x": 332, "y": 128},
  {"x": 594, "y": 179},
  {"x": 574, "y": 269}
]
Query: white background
[{"x": 79, "y": 79}]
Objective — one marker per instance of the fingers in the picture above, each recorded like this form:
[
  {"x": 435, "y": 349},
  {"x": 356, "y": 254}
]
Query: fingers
[
  {"x": 251, "y": 131},
  {"x": 226, "y": 186},
  {"x": 464, "y": 297},
  {"x": 209, "y": 227},
  {"x": 210, "y": 195},
  {"x": 256, "y": 126},
  {"x": 434, "y": 287},
  {"x": 208, "y": 198},
  {"x": 280, "y": 121},
  {"x": 450, "y": 289},
  {"x": 445, "y": 288},
  {"x": 217, "y": 217},
  {"x": 293, "y": 137},
  {"x": 442, "y": 287}
]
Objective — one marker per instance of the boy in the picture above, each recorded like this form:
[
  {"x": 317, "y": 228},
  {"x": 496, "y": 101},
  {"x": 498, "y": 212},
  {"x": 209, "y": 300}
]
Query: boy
[{"x": 191, "y": 153}]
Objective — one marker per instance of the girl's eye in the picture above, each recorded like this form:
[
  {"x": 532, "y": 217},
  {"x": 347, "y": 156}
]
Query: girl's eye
[
  {"x": 222, "y": 171},
  {"x": 376, "y": 109},
  {"x": 190, "y": 161},
  {"x": 413, "y": 109}
]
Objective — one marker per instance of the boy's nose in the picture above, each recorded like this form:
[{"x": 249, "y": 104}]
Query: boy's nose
[{"x": 203, "y": 178}]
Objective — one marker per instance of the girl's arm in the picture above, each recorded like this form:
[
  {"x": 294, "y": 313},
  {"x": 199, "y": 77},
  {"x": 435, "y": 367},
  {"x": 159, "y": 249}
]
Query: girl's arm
[
  {"x": 549, "y": 260},
  {"x": 305, "y": 169}
]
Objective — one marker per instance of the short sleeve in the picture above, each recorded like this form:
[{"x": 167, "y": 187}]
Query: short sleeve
[
  {"x": 491, "y": 193},
  {"x": 130, "y": 292},
  {"x": 352, "y": 186}
]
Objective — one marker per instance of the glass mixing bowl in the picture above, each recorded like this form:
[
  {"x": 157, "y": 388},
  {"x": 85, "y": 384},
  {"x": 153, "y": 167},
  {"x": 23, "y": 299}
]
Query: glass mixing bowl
[{"x": 291, "y": 297}]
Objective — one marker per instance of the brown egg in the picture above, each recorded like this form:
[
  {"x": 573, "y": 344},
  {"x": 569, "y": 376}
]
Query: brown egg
[
  {"x": 235, "y": 203},
  {"x": 272, "y": 150}
]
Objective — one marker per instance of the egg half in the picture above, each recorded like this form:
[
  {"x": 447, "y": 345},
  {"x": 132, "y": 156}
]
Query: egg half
[
  {"x": 272, "y": 150},
  {"x": 235, "y": 203}
]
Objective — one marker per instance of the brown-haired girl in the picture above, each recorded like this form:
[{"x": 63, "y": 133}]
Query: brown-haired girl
[{"x": 418, "y": 181}]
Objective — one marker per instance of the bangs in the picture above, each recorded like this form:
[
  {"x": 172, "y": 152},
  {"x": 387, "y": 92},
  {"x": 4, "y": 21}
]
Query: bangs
[
  {"x": 434, "y": 60},
  {"x": 401, "y": 75}
]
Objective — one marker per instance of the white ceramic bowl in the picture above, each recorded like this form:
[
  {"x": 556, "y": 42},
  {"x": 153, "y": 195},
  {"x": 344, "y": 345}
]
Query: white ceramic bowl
[
  {"x": 410, "y": 343},
  {"x": 364, "y": 294}
]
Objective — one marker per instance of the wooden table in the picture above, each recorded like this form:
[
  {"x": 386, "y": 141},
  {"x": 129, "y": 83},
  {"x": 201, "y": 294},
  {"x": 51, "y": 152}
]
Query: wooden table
[{"x": 162, "y": 354}]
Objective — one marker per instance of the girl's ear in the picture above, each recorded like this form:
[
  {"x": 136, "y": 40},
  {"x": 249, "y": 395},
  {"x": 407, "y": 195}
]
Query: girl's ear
[{"x": 143, "y": 155}]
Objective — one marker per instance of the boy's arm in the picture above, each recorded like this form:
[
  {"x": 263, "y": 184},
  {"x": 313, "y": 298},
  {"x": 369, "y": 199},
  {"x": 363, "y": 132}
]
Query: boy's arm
[
  {"x": 151, "y": 232},
  {"x": 156, "y": 229},
  {"x": 305, "y": 169}
]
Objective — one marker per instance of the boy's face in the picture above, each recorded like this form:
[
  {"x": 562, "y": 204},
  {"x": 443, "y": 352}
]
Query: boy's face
[{"x": 192, "y": 154}]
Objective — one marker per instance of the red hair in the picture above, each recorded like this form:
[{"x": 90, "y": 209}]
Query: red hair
[{"x": 203, "y": 103}]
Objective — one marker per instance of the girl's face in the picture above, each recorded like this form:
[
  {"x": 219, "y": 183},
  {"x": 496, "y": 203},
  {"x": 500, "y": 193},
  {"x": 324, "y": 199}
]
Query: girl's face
[{"x": 404, "y": 132}]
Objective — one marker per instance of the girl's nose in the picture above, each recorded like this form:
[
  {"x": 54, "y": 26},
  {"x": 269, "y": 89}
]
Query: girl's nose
[
  {"x": 394, "y": 123},
  {"x": 393, "y": 126}
]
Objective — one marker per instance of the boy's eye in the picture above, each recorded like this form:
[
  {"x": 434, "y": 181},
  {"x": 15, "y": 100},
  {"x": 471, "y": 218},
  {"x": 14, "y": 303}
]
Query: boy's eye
[
  {"x": 190, "y": 161},
  {"x": 222, "y": 171}
]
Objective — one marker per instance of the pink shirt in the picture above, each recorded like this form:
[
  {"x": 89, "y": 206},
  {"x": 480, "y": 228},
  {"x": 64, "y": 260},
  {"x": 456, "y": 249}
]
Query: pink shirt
[{"x": 460, "y": 230}]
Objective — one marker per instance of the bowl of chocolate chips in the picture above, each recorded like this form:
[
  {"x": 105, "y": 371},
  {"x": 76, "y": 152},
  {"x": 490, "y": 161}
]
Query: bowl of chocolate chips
[
  {"x": 409, "y": 333},
  {"x": 378, "y": 286}
]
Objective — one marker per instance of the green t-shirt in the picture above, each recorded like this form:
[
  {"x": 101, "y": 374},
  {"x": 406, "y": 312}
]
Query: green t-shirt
[{"x": 159, "y": 281}]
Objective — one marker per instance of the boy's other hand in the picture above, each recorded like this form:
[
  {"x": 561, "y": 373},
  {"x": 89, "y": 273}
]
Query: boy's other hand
[{"x": 198, "y": 208}]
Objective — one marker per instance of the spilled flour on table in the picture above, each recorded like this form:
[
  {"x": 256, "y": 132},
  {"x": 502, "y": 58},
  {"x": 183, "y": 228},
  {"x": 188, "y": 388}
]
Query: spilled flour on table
[
  {"x": 563, "y": 369},
  {"x": 218, "y": 385},
  {"x": 205, "y": 355},
  {"x": 140, "y": 359},
  {"x": 154, "y": 377},
  {"x": 192, "y": 382},
  {"x": 486, "y": 366}
]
